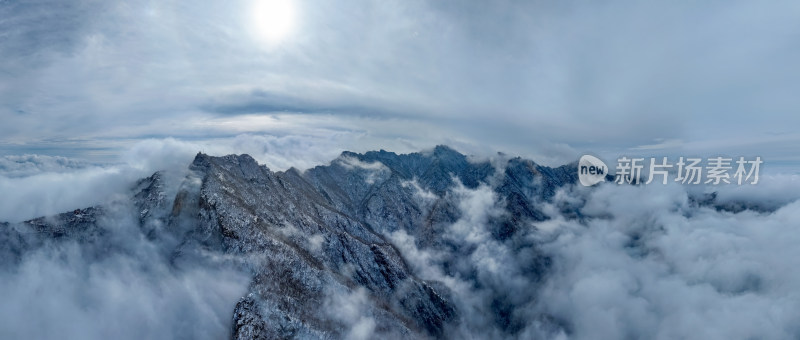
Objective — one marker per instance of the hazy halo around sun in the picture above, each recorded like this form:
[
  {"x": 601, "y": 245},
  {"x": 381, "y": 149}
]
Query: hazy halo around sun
[{"x": 273, "y": 20}]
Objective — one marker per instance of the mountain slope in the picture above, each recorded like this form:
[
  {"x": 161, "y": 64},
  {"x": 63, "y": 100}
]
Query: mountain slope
[{"x": 321, "y": 246}]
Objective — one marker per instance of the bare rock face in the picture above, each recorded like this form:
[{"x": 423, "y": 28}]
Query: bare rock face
[
  {"x": 419, "y": 194},
  {"x": 301, "y": 251},
  {"x": 310, "y": 238}
]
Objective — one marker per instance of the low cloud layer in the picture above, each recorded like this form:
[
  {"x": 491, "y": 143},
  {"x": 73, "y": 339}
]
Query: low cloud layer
[
  {"x": 50, "y": 193},
  {"x": 112, "y": 282},
  {"x": 641, "y": 262},
  {"x": 57, "y": 293},
  {"x": 28, "y": 165},
  {"x": 648, "y": 264}
]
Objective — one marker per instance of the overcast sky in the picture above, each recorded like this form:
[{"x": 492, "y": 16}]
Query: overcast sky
[{"x": 547, "y": 80}]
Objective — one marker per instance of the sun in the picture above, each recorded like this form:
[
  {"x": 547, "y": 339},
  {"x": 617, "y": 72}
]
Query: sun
[{"x": 273, "y": 20}]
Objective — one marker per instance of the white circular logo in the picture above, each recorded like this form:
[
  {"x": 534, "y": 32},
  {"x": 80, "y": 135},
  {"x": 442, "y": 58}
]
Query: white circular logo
[{"x": 591, "y": 170}]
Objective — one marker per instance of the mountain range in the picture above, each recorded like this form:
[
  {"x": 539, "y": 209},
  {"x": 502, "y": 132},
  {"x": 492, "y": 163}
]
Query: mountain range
[{"x": 378, "y": 245}]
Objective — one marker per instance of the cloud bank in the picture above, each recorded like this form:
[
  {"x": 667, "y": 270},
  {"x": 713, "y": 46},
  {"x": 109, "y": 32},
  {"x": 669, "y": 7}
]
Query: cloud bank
[
  {"x": 112, "y": 281},
  {"x": 622, "y": 262},
  {"x": 648, "y": 264}
]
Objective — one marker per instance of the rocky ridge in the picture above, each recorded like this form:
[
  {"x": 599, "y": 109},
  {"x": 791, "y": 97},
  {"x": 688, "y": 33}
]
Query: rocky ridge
[{"x": 309, "y": 238}]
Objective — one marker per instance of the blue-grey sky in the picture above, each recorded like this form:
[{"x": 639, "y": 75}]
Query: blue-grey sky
[{"x": 543, "y": 79}]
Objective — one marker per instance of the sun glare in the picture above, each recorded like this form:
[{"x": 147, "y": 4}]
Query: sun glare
[{"x": 273, "y": 20}]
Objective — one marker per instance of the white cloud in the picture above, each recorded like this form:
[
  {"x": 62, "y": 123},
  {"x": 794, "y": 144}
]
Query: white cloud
[
  {"x": 642, "y": 262},
  {"x": 51, "y": 193},
  {"x": 485, "y": 275},
  {"x": 124, "y": 286},
  {"x": 772, "y": 191},
  {"x": 27, "y": 165},
  {"x": 352, "y": 309},
  {"x": 651, "y": 266}
]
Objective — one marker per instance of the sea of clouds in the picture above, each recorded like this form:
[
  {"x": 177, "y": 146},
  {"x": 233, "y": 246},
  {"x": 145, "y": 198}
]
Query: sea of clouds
[{"x": 627, "y": 262}]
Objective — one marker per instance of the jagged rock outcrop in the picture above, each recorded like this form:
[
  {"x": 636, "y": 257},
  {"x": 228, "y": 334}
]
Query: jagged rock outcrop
[
  {"x": 302, "y": 250},
  {"x": 389, "y": 199}
]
